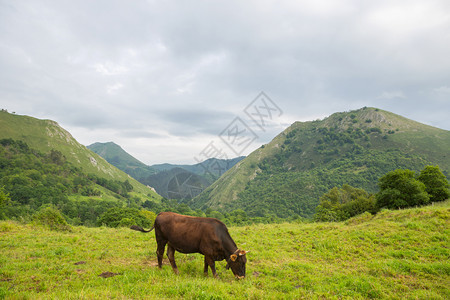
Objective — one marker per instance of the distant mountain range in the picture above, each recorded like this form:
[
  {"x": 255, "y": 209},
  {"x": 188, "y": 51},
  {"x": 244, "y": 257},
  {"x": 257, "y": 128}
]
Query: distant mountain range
[
  {"x": 169, "y": 180},
  {"x": 213, "y": 167},
  {"x": 287, "y": 176},
  {"x": 284, "y": 178}
]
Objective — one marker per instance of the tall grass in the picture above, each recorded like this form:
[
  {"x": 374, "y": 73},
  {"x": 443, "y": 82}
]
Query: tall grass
[{"x": 394, "y": 255}]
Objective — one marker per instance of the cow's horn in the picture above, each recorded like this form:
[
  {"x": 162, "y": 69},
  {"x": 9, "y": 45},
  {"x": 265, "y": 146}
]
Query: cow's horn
[{"x": 243, "y": 252}]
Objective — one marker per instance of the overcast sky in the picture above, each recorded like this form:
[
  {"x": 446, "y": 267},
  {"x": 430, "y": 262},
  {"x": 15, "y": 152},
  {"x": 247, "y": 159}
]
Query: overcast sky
[{"x": 165, "y": 79}]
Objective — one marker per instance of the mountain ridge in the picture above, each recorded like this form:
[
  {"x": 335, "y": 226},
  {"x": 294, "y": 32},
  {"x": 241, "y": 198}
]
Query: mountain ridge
[
  {"x": 288, "y": 175},
  {"x": 118, "y": 157},
  {"x": 45, "y": 135},
  {"x": 169, "y": 180}
]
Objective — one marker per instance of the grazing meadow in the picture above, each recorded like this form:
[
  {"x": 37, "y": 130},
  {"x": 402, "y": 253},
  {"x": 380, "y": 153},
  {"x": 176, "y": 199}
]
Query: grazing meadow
[{"x": 402, "y": 254}]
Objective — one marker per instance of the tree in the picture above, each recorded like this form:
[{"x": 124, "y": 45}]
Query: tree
[
  {"x": 128, "y": 186},
  {"x": 56, "y": 157},
  {"x": 149, "y": 215},
  {"x": 4, "y": 197},
  {"x": 4, "y": 200},
  {"x": 362, "y": 204},
  {"x": 199, "y": 213},
  {"x": 326, "y": 212},
  {"x": 52, "y": 218},
  {"x": 214, "y": 214},
  {"x": 340, "y": 204},
  {"x": 238, "y": 217},
  {"x": 113, "y": 217},
  {"x": 436, "y": 184},
  {"x": 400, "y": 189}
]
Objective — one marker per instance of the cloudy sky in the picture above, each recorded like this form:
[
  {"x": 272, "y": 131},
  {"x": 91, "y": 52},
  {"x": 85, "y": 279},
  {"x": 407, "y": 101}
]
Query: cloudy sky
[{"x": 167, "y": 79}]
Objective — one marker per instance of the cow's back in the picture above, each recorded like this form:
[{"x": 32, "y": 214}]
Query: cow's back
[{"x": 191, "y": 234}]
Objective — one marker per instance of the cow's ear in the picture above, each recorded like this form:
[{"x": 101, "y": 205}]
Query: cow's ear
[
  {"x": 233, "y": 257},
  {"x": 243, "y": 252}
]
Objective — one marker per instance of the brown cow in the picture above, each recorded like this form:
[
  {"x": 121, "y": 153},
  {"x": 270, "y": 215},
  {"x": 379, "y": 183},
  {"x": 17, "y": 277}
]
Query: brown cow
[{"x": 207, "y": 236}]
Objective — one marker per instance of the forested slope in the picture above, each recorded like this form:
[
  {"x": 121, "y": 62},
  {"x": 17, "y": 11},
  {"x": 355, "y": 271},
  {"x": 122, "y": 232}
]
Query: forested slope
[
  {"x": 287, "y": 176},
  {"x": 47, "y": 135}
]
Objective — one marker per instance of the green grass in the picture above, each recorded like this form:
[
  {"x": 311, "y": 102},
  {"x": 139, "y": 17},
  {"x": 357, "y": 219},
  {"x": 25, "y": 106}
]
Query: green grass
[{"x": 393, "y": 255}]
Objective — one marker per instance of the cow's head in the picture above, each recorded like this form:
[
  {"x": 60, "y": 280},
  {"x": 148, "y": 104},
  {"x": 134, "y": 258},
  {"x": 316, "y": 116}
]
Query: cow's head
[{"x": 237, "y": 262}]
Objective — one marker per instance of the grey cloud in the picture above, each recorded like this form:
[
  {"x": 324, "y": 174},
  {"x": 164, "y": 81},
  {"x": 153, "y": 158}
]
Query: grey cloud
[
  {"x": 189, "y": 122},
  {"x": 140, "y": 134},
  {"x": 177, "y": 69}
]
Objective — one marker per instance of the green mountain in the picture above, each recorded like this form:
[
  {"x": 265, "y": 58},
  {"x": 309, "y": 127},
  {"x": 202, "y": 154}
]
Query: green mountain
[
  {"x": 184, "y": 182},
  {"x": 177, "y": 183},
  {"x": 287, "y": 176},
  {"x": 169, "y": 180},
  {"x": 115, "y": 155},
  {"x": 45, "y": 135}
]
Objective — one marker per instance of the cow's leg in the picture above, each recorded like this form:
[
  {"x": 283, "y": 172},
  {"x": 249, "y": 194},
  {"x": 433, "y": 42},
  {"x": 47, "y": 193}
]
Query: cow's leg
[
  {"x": 171, "y": 256},
  {"x": 160, "y": 251},
  {"x": 212, "y": 264},
  {"x": 205, "y": 270}
]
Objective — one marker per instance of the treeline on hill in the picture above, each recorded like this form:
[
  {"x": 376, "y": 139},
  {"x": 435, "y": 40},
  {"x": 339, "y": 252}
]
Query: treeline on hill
[
  {"x": 37, "y": 186},
  {"x": 30, "y": 180},
  {"x": 290, "y": 185},
  {"x": 45, "y": 187},
  {"x": 398, "y": 189}
]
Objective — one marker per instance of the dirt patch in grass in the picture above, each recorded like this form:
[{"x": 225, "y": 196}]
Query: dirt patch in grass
[
  {"x": 108, "y": 274},
  {"x": 154, "y": 262}
]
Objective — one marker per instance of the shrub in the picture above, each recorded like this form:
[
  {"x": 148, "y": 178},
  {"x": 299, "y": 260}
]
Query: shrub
[
  {"x": 340, "y": 204},
  {"x": 51, "y": 218},
  {"x": 126, "y": 222},
  {"x": 4, "y": 200},
  {"x": 116, "y": 216},
  {"x": 360, "y": 205},
  {"x": 4, "y": 197},
  {"x": 149, "y": 215},
  {"x": 399, "y": 189},
  {"x": 436, "y": 184}
]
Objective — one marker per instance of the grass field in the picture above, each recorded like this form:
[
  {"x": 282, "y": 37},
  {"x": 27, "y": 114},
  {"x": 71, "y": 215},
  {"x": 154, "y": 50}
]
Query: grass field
[{"x": 394, "y": 255}]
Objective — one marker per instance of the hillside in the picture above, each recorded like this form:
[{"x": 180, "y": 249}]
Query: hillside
[
  {"x": 183, "y": 182},
  {"x": 169, "y": 180},
  {"x": 45, "y": 135},
  {"x": 394, "y": 255},
  {"x": 115, "y": 155},
  {"x": 177, "y": 183},
  {"x": 214, "y": 166},
  {"x": 287, "y": 176}
]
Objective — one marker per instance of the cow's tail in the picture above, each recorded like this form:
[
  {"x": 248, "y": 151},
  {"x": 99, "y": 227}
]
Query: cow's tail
[{"x": 139, "y": 228}]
